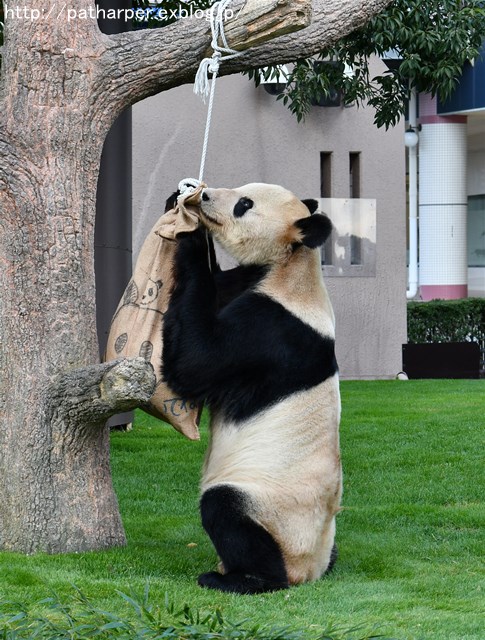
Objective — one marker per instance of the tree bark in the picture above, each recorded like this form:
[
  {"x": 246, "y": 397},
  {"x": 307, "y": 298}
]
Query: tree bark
[
  {"x": 62, "y": 85},
  {"x": 59, "y": 480},
  {"x": 162, "y": 59}
]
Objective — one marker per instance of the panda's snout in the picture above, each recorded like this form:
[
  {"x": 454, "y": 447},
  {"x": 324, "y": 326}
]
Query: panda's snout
[{"x": 205, "y": 196}]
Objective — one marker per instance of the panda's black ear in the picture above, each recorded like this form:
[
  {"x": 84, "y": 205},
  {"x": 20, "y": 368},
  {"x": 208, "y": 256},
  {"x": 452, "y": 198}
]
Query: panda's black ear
[
  {"x": 314, "y": 230},
  {"x": 311, "y": 205}
]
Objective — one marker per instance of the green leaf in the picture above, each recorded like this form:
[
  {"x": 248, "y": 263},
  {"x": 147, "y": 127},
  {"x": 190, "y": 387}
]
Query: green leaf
[{"x": 434, "y": 37}]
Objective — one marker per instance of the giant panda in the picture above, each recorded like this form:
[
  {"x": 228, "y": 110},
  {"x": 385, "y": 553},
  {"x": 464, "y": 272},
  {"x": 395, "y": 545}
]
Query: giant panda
[{"x": 265, "y": 365}]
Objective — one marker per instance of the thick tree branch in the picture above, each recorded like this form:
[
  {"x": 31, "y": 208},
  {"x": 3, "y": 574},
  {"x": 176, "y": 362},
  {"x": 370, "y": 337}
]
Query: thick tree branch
[
  {"x": 143, "y": 63},
  {"x": 91, "y": 395},
  {"x": 332, "y": 19}
]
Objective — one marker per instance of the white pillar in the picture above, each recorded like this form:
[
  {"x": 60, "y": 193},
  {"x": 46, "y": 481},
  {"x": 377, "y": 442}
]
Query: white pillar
[
  {"x": 443, "y": 260},
  {"x": 413, "y": 279}
]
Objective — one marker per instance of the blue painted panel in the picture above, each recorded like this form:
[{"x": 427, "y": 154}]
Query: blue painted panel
[{"x": 470, "y": 92}]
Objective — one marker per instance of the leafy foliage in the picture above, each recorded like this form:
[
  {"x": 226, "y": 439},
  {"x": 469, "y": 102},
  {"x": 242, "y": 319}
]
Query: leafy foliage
[
  {"x": 433, "y": 39},
  {"x": 80, "y": 619},
  {"x": 447, "y": 320}
]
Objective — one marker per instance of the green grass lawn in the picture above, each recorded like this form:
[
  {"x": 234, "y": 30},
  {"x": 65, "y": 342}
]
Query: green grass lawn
[{"x": 411, "y": 534}]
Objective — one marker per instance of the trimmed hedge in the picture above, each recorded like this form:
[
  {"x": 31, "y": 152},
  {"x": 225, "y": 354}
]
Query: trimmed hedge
[{"x": 448, "y": 321}]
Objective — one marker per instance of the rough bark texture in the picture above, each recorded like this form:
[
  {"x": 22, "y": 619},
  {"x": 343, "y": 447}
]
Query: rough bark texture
[
  {"x": 155, "y": 64},
  {"x": 62, "y": 85},
  {"x": 67, "y": 501}
]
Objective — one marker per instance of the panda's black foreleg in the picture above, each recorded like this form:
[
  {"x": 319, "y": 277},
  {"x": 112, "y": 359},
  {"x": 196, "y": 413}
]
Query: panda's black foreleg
[
  {"x": 252, "y": 559},
  {"x": 188, "y": 340}
]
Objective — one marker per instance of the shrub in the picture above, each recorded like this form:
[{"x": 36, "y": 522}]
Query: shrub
[{"x": 448, "y": 321}]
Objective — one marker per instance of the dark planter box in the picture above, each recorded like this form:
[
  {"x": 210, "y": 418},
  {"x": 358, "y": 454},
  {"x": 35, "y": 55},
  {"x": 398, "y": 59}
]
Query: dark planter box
[{"x": 442, "y": 360}]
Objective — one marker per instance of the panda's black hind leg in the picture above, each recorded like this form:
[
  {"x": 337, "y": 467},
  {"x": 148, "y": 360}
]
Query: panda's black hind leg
[
  {"x": 252, "y": 559},
  {"x": 333, "y": 559}
]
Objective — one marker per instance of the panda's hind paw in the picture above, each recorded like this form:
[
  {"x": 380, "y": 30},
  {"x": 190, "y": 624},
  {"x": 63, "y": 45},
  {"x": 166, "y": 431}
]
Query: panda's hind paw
[
  {"x": 239, "y": 583},
  {"x": 210, "y": 580}
]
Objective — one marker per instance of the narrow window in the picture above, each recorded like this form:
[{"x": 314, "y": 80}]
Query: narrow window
[
  {"x": 326, "y": 174},
  {"x": 355, "y": 249},
  {"x": 476, "y": 231},
  {"x": 354, "y": 192},
  {"x": 354, "y": 174},
  {"x": 326, "y": 192}
]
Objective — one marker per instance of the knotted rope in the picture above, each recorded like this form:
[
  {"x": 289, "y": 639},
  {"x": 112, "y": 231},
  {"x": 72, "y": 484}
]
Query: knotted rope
[{"x": 202, "y": 87}]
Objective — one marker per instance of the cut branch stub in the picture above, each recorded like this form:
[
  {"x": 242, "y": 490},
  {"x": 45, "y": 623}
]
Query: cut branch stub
[
  {"x": 93, "y": 394},
  {"x": 258, "y": 22}
]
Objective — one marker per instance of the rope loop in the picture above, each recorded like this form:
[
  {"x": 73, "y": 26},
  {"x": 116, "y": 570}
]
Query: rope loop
[
  {"x": 220, "y": 52},
  {"x": 187, "y": 185},
  {"x": 215, "y": 62}
]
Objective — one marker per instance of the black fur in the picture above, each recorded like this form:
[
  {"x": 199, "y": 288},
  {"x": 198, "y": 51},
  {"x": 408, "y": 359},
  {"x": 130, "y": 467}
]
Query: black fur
[
  {"x": 251, "y": 354},
  {"x": 241, "y": 206},
  {"x": 311, "y": 205},
  {"x": 233, "y": 282},
  {"x": 316, "y": 229},
  {"x": 252, "y": 560},
  {"x": 333, "y": 559},
  {"x": 171, "y": 201},
  {"x": 170, "y": 204}
]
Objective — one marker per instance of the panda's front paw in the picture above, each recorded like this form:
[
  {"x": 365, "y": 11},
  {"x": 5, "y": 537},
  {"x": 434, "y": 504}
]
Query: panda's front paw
[
  {"x": 193, "y": 244},
  {"x": 192, "y": 251}
]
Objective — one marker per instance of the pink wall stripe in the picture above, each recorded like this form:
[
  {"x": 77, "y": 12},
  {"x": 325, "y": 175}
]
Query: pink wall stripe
[
  {"x": 428, "y": 106},
  {"x": 442, "y": 119},
  {"x": 444, "y": 291}
]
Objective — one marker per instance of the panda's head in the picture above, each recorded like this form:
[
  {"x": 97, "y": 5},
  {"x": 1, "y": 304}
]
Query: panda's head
[{"x": 262, "y": 223}]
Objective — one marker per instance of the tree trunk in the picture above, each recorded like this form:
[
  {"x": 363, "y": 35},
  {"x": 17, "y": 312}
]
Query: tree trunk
[
  {"x": 62, "y": 85},
  {"x": 56, "y": 492}
]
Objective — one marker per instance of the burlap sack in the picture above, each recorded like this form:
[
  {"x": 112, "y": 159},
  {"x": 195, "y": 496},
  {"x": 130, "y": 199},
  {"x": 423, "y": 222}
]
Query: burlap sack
[{"x": 137, "y": 326}]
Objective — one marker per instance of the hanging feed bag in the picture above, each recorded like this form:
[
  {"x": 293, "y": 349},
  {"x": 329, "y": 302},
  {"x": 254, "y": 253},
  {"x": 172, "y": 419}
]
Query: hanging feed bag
[{"x": 137, "y": 326}]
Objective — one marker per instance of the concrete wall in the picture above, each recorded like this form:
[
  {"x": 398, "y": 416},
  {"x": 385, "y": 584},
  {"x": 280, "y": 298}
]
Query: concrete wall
[{"x": 254, "y": 138}]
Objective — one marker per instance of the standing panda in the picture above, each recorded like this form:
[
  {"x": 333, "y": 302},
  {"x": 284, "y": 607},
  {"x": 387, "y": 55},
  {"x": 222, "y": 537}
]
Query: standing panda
[{"x": 265, "y": 365}]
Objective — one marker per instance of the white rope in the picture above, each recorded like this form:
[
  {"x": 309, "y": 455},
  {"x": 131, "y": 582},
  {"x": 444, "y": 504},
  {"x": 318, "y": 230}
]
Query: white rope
[
  {"x": 201, "y": 83},
  {"x": 221, "y": 52},
  {"x": 207, "y": 126}
]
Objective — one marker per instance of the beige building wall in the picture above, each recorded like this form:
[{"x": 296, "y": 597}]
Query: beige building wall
[{"x": 255, "y": 138}]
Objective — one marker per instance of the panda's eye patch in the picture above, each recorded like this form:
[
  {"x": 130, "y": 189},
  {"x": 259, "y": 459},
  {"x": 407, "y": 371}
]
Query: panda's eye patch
[{"x": 242, "y": 205}]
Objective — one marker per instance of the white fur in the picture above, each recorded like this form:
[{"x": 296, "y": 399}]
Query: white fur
[
  {"x": 261, "y": 235},
  {"x": 298, "y": 285}
]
